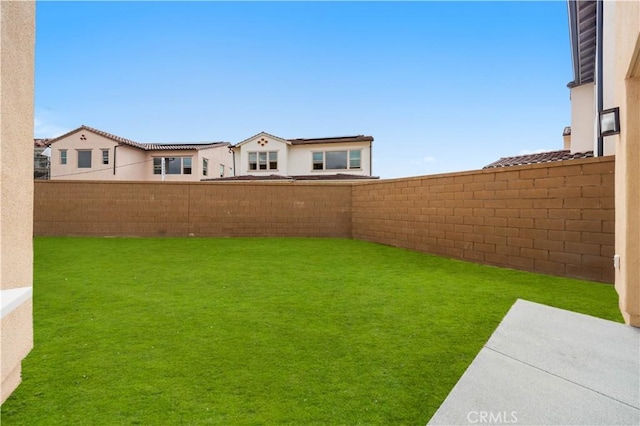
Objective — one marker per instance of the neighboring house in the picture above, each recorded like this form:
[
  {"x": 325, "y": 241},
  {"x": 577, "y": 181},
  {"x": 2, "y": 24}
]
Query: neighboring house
[
  {"x": 265, "y": 156},
  {"x": 91, "y": 154},
  {"x": 40, "y": 161},
  {"x": 593, "y": 53},
  {"x": 588, "y": 97}
]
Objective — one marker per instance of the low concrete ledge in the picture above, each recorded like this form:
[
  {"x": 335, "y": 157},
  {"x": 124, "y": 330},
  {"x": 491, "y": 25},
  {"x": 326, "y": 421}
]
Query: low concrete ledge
[
  {"x": 12, "y": 298},
  {"x": 16, "y": 330}
]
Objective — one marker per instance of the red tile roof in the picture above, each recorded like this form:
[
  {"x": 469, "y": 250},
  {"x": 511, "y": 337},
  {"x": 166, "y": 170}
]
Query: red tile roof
[
  {"x": 144, "y": 146},
  {"x": 40, "y": 143},
  {"x": 543, "y": 157}
]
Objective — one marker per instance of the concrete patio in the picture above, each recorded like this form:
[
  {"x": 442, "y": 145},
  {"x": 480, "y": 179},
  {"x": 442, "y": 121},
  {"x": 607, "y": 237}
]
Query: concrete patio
[{"x": 547, "y": 366}]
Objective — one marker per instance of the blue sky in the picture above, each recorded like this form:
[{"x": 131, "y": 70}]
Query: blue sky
[{"x": 441, "y": 86}]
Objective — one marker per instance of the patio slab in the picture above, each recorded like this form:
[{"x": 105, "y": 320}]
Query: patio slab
[{"x": 545, "y": 366}]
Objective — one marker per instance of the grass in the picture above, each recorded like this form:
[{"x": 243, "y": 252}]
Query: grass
[{"x": 261, "y": 331}]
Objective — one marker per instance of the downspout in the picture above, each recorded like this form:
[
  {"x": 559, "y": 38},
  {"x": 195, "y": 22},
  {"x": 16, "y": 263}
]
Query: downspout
[
  {"x": 370, "y": 158},
  {"x": 233, "y": 153},
  {"x": 115, "y": 151},
  {"x": 599, "y": 69}
]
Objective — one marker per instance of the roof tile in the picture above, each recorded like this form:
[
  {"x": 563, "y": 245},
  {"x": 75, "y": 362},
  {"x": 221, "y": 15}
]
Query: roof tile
[{"x": 543, "y": 157}]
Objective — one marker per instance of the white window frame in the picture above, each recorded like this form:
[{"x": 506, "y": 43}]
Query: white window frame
[
  {"x": 157, "y": 165},
  {"x": 64, "y": 156},
  {"x": 324, "y": 167},
  {"x": 105, "y": 156},
  {"x": 263, "y": 161}
]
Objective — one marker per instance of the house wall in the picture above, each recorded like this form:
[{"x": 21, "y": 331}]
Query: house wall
[
  {"x": 16, "y": 189},
  {"x": 217, "y": 157},
  {"x": 130, "y": 163},
  {"x": 212, "y": 209},
  {"x": 274, "y": 144},
  {"x": 583, "y": 117},
  {"x": 555, "y": 218},
  {"x": 300, "y": 158},
  {"x": 626, "y": 81},
  {"x": 127, "y": 158}
]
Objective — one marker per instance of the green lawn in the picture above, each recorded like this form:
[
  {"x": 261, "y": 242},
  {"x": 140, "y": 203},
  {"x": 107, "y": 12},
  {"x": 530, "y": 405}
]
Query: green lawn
[{"x": 261, "y": 331}]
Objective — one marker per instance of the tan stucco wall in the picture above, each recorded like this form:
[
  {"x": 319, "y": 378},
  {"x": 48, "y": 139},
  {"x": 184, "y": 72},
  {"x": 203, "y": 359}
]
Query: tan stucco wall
[
  {"x": 627, "y": 96},
  {"x": 16, "y": 180},
  {"x": 583, "y": 118}
]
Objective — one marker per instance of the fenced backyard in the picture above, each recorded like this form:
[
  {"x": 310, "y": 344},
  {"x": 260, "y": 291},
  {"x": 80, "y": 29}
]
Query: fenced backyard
[{"x": 261, "y": 330}]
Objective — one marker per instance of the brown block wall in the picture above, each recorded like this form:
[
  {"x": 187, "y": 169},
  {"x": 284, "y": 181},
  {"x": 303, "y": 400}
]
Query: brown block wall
[
  {"x": 198, "y": 209},
  {"x": 554, "y": 218}
]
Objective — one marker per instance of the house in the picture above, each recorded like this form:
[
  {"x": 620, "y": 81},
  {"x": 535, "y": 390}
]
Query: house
[
  {"x": 267, "y": 157},
  {"x": 592, "y": 35},
  {"x": 86, "y": 153},
  {"x": 590, "y": 26},
  {"x": 40, "y": 159},
  {"x": 605, "y": 118}
]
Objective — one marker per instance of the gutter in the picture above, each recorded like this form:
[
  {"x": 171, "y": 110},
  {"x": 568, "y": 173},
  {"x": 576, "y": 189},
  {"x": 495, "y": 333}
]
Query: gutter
[
  {"x": 115, "y": 151},
  {"x": 573, "y": 39},
  {"x": 599, "y": 76},
  {"x": 233, "y": 153}
]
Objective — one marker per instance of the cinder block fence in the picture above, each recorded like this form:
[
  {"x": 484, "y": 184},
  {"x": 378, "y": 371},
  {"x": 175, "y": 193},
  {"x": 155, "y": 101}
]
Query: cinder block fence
[{"x": 554, "y": 218}]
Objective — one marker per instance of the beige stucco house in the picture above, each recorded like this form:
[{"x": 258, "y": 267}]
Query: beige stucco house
[
  {"x": 265, "y": 155},
  {"x": 605, "y": 44},
  {"x": 86, "y": 153},
  {"x": 592, "y": 32}
]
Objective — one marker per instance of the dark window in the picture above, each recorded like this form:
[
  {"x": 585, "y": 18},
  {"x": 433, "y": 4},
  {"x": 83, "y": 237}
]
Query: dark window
[
  {"x": 84, "y": 159},
  {"x": 336, "y": 160}
]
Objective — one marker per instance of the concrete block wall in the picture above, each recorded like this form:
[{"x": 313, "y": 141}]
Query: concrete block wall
[
  {"x": 192, "y": 209},
  {"x": 554, "y": 218}
]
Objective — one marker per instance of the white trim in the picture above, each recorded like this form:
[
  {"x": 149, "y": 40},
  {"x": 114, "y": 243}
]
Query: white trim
[{"x": 14, "y": 297}]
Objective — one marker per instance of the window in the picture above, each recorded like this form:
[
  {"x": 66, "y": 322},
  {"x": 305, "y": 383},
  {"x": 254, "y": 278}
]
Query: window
[
  {"x": 105, "y": 156},
  {"x": 263, "y": 160},
  {"x": 273, "y": 160},
  {"x": 186, "y": 166},
  {"x": 63, "y": 156},
  {"x": 205, "y": 167},
  {"x": 221, "y": 170},
  {"x": 172, "y": 165},
  {"x": 318, "y": 161},
  {"x": 84, "y": 159},
  {"x": 354, "y": 159},
  {"x": 336, "y": 160}
]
